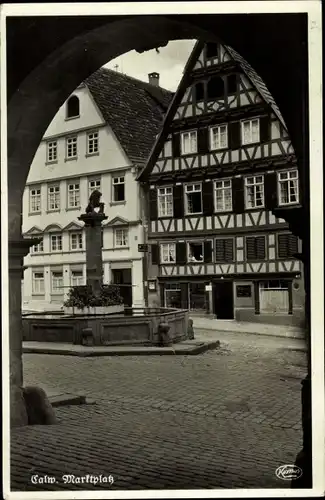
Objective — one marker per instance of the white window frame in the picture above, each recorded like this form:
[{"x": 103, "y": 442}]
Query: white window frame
[
  {"x": 168, "y": 249},
  {"x": 94, "y": 184},
  {"x": 53, "y": 198},
  {"x": 218, "y": 144},
  {"x": 51, "y": 151},
  {"x": 76, "y": 280},
  {"x": 122, "y": 242},
  {"x": 39, "y": 248},
  {"x": 71, "y": 147},
  {"x": 188, "y": 252},
  {"x": 77, "y": 238},
  {"x": 35, "y": 200},
  {"x": 58, "y": 239},
  {"x": 223, "y": 189},
  {"x": 74, "y": 194},
  {"x": 40, "y": 288},
  {"x": 191, "y": 150},
  {"x": 165, "y": 201},
  {"x": 187, "y": 191},
  {"x": 57, "y": 290},
  {"x": 117, "y": 181},
  {"x": 255, "y": 191},
  {"x": 92, "y": 142},
  {"x": 288, "y": 181},
  {"x": 251, "y": 141}
]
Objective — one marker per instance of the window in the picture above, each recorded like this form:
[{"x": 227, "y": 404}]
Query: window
[
  {"x": 73, "y": 195},
  {"x": 287, "y": 245},
  {"x": 56, "y": 242},
  {"x": 195, "y": 252},
  {"x": 232, "y": 84},
  {"x": 197, "y": 297},
  {"x": 39, "y": 248},
  {"x": 76, "y": 277},
  {"x": 189, "y": 142},
  {"x": 57, "y": 281},
  {"x": 224, "y": 249},
  {"x": 250, "y": 131},
  {"x": 199, "y": 91},
  {"x": 71, "y": 147},
  {"x": 223, "y": 195},
  {"x": 167, "y": 253},
  {"x": 288, "y": 187},
  {"x": 76, "y": 241},
  {"x": 118, "y": 188},
  {"x": 274, "y": 297},
  {"x": 254, "y": 191},
  {"x": 35, "y": 200},
  {"x": 93, "y": 184},
  {"x": 219, "y": 137},
  {"x": 73, "y": 107},
  {"x": 255, "y": 248},
  {"x": 52, "y": 151},
  {"x": 173, "y": 295},
  {"x": 216, "y": 88},
  {"x": 165, "y": 202},
  {"x": 92, "y": 143},
  {"x": 53, "y": 197},
  {"x": 211, "y": 50},
  {"x": 121, "y": 237},
  {"x": 38, "y": 283},
  {"x": 193, "y": 201}
]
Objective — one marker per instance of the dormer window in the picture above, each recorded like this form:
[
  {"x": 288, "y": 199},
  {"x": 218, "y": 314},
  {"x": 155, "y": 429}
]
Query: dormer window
[{"x": 73, "y": 107}]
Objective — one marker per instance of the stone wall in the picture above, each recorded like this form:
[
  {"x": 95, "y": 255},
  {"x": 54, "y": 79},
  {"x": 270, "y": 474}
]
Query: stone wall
[{"x": 136, "y": 327}]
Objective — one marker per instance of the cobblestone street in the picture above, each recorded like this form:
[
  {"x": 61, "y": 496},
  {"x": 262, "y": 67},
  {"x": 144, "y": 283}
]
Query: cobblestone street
[{"x": 224, "y": 419}]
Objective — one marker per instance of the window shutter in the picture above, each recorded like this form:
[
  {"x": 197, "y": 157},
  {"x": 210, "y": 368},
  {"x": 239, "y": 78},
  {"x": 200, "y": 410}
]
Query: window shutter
[
  {"x": 250, "y": 248},
  {"x": 176, "y": 145},
  {"x": 207, "y": 196},
  {"x": 282, "y": 246},
  {"x": 292, "y": 245},
  {"x": 238, "y": 195},
  {"x": 153, "y": 208},
  {"x": 229, "y": 250},
  {"x": 270, "y": 190},
  {"x": 234, "y": 135},
  {"x": 208, "y": 251},
  {"x": 265, "y": 126},
  {"x": 203, "y": 140},
  {"x": 181, "y": 253},
  {"x": 178, "y": 201},
  {"x": 260, "y": 247},
  {"x": 220, "y": 247},
  {"x": 154, "y": 254}
]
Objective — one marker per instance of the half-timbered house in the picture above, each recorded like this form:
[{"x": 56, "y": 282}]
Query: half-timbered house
[{"x": 221, "y": 164}]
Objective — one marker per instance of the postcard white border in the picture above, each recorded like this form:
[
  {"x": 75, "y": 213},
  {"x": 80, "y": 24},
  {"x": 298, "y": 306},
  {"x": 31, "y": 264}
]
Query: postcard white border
[{"x": 313, "y": 8}]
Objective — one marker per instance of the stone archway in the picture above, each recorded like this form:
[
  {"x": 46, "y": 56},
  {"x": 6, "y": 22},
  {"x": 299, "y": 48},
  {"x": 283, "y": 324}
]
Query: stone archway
[{"x": 44, "y": 87}]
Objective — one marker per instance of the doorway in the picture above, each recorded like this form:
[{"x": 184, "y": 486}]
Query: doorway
[
  {"x": 123, "y": 277},
  {"x": 223, "y": 299}
]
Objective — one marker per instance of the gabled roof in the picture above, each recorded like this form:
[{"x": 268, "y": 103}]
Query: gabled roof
[
  {"x": 198, "y": 47},
  {"x": 73, "y": 226},
  {"x": 257, "y": 81},
  {"x": 250, "y": 73},
  {"x": 133, "y": 109},
  {"x": 33, "y": 230},
  {"x": 117, "y": 221}
]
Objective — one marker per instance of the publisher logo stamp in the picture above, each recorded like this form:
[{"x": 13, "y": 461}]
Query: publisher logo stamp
[{"x": 288, "y": 472}]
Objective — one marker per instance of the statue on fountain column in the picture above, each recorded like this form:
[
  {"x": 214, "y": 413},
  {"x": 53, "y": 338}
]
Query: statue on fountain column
[{"x": 94, "y": 202}]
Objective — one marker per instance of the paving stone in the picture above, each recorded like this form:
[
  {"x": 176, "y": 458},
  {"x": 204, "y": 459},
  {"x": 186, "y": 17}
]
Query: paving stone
[{"x": 165, "y": 421}]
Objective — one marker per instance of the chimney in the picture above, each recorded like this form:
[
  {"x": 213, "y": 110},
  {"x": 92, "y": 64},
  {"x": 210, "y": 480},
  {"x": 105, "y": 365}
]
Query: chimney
[{"x": 154, "y": 79}]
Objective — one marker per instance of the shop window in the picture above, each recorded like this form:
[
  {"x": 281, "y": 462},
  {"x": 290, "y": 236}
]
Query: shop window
[
  {"x": 197, "y": 297},
  {"x": 173, "y": 295}
]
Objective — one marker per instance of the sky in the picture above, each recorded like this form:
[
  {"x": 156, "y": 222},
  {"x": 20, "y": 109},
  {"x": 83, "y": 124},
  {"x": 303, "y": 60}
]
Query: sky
[{"x": 169, "y": 63}]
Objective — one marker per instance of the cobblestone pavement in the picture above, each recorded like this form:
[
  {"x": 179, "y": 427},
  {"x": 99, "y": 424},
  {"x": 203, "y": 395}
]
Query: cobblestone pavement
[{"x": 224, "y": 419}]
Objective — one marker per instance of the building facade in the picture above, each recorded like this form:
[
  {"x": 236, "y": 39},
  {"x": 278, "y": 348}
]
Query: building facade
[
  {"x": 98, "y": 140},
  {"x": 222, "y": 162}
]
